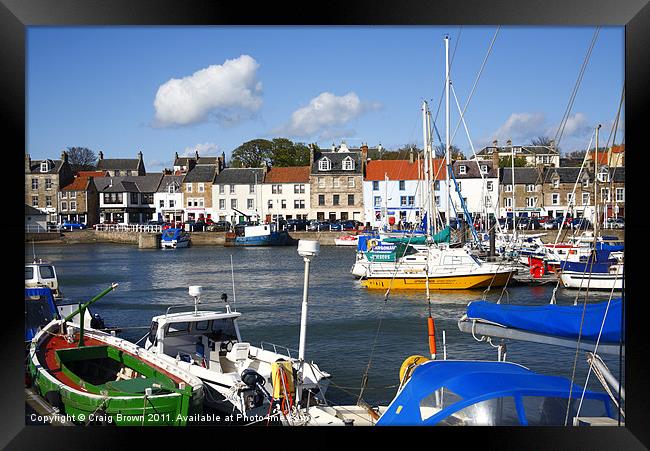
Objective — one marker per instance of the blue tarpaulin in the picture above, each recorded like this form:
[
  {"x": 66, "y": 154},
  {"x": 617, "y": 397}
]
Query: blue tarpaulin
[{"x": 552, "y": 319}]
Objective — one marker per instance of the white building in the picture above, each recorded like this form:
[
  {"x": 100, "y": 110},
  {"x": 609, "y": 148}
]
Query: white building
[
  {"x": 127, "y": 200},
  {"x": 168, "y": 200},
  {"x": 237, "y": 195},
  {"x": 286, "y": 193},
  {"x": 395, "y": 190},
  {"x": 478, "y": 181}
]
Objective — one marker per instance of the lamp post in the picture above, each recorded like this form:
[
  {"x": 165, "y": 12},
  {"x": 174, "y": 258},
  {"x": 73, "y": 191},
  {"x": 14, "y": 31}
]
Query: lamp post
[{"x": 307, "y": 249}]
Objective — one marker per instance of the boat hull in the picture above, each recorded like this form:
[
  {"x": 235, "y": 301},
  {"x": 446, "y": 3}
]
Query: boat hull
[
  {"x": 274, "y": 239},
  {"x": 593, "y": 281},
  {"x": 465, "y": 282},
  {"x": 174, "y": 244},
  {"x": 340, "y": 242}
]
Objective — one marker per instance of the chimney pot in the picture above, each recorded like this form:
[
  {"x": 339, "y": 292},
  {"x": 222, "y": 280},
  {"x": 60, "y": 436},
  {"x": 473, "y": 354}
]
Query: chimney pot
[{"x": 101, "y": 155}]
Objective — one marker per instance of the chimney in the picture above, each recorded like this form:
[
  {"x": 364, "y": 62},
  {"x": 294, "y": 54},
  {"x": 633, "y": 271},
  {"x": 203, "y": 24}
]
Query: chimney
[
  {"x": 64, "y": 156},
  {"x": 101, "y": 155},
  {"x": 495, "y": 159},
  {"x": 311, "y": 155},
  {"x": 196, "y": 152},
  {"x": 28, "y": 163},
  {"x": 364, "y": 151},
  {"x": 411, "y": 156},
  {"x": 494, "y": 143},
  {"x": 333, "y": 148},
  {"x": 509, "y": 143},
  {"x": 176, "y": 156},
  {"x": 223, "y": 160},
  {"x": 140, "y": 155}
]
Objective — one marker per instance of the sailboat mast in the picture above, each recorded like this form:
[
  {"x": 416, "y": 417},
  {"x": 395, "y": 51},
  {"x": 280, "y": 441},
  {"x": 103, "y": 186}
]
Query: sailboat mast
[
  {"x": 447, "y": 156},
  {"x": 427, "y": 169},
  {"x": 514, "y": 212},
  {"x": 432, "y": 209},
  {"x": 595, "y": 185}
]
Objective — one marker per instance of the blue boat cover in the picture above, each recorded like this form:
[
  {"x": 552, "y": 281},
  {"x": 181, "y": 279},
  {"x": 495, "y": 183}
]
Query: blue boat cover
[
  {"x": 552, "y": 319},
  {"x": 39, "y": 310},
  {"x": 472, "y": 382}
]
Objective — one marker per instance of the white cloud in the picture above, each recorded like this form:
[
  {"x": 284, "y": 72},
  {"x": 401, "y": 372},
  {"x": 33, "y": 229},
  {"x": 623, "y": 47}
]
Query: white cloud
[
  {"x": 576, "y": 126},
  {"x": 521, "y": 127},
  {"x": 205, "y": 149},
  {"x": 224, "y": 91},
  {"x": 325, "y": 112}
]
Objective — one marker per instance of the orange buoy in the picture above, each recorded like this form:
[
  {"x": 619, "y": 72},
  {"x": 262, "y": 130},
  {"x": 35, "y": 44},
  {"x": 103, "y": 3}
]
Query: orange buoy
[{"x": 432, "y": 337}]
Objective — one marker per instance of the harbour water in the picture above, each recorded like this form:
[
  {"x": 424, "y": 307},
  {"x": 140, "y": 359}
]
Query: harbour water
[{"x": 346, "y": 321}]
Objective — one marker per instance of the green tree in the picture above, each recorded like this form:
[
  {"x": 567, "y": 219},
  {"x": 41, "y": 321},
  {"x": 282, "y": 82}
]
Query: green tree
[
  {"x": 505, "y": 162},
  {"x": 454, "y": 152},
  {"x": 252, "y": 154},
  {"x": 81, "y": 159},
  {"x": 285, "y": 152}
]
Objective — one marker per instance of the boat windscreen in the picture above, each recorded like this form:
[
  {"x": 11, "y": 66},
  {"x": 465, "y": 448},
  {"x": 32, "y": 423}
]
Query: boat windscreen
[{"x": 29, "y": 272}]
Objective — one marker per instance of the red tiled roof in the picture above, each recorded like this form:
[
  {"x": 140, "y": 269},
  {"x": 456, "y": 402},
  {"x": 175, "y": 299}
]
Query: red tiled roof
[
  {"x": 618, "y": 149},
  {"x": 81, "y": 181},
  {"x": 288, "y": 174},
  {"x": 401, "y": 170}
]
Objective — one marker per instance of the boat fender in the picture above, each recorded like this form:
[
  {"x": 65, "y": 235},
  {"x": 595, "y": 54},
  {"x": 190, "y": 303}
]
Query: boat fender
[
  {"x": 432, "y": 336},
  {"x": 409, "y": 365}
]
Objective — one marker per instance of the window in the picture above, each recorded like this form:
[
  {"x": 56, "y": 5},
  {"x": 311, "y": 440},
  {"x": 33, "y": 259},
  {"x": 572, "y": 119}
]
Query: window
[
  {"x": 276, "y": 189},
  {"x": 188, "y": 187},
  {"x": 222, "y": 204},
  {"x": 402, "y": 185},
  {"x": 233, "y": 203},
  {"x": 459, "y": 186},
  {"x": 508, "y": 188},
  {"x": 336, "y": 182},
  {"x": 45, "y": 166},
  {"x": 162, "y": 204},
  {"x": 48, "y": 201},
  {"x": 269, "y": 204},
  {"x": 620, "y": 194},
  {"x": 585, "y": 183},
  {"x": 283, "y": 203},
  {"x": 350, "y": 199},
  {"x": 34, "y": 201},
  {"x": 555, "y": 199},
  {"x": 321, "y": 199},
  {"x": 411, "y": 201},
  {"x": 251, "y": 189},
  {"x": 489, "y": 185},
  {"x": 375, "y": 186},
  {"x": 324, "y": 164},
  {"x": 436, "y": 185},
  {"x": 377, "y": 201},
  {"x": 48, "y": 183},
  {"x": 530, "y": 188},
  {"x": 178, "y": 329},
  {"x": 531, "y": 201},
  {"x": 585, "y": 198},
  {"x": 201, "y": 188},
  {"x": 299, "y": 189},
  {"x": 484, "y": 169},
  {"x": 73, "y": 205},
  {"x": 350, "y": 182},
  {"x": 462, "y": 169},
  {"x": 134, "y": 198},
  {"x": 569, "y": 198},
  {"x": 348, "y": 164},
  {"x": 222, "y": 189},
  {"x": 321, "y": 182},
  {"x": 112, "y": 198},
  {"x": 172, "y": 204},
  {"x": 299, "y": 203},
  {"x": 543, "y": 411},
  {"x": 604, "y": 194},
  {"x": 402, "y": 201},
  {"x": 73, "y": 195},
  {"x": 507, "y": 201},
  {"x": 556, "y": 183},
  {"x": 34, "y": 184},
  {"x": 147, "y": 198},
  {"x": 490, "y": 412},
  {"x": 335, "y": 199},
  {"x": 250, "y": 204},
  {"x": 128, "y": 172},
  {"x": 64, "y": 205},
  {"x": 603, "y": 176},
  {"x": 232, "y": 189},
  {"x": 344, "y": 216},
  {"x": 437, "y": 200}
]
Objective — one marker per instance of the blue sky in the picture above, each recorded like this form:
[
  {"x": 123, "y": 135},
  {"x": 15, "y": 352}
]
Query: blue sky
[{"x": 175, "y": 89}]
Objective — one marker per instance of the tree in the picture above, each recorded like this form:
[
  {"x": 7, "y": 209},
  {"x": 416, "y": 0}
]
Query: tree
[
  {"x": 542, "y": 141},
  {"x": 285, "y": 152},
  {"x": 81, "y": 159},
  {"x": 454, "y": 152},
  {"x": 506, "y": 162},
  {"x": 252, "y": 154}
]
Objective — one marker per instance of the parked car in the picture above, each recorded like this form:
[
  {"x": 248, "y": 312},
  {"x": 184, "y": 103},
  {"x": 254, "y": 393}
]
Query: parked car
[
  {"x": 349, "y": 225},
  {"x": 616, "y": 223},
  {"x": 73, "y": 225},
  {"x": 297, "y": 224},
  {"x": 506, "y": 223},
  {"x": 526, "y": 223},
  {"x": 551, "y": 224},
  {"x": 196, "y": 226},
  {"x": 336, "y": 226},
  {"x": 315, "y": 225},
  {"x": 220, "y": 226},
  {"x": 581, "y": 223}
]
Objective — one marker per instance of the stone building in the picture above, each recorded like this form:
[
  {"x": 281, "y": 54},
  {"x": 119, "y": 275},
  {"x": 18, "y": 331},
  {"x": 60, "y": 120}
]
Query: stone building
[
  {"x": 528, "y": 193},
  {"x": 79, "y": 200},
  {"x": 43, "y": 181},
  {"x": 196, "y": 188},
  {"x": 119, "y": 167},
  {"x": 534, "y": 155}
]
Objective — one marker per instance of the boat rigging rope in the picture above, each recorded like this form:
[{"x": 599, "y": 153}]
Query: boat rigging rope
[{"x": 575, "y": 360}]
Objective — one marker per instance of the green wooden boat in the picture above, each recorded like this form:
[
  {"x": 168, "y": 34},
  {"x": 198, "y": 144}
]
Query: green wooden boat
[{"x": 94, "y": 377}]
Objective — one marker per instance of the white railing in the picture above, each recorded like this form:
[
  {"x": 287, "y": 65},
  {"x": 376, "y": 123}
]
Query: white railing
[
  {"x": 280, "y": 347},
  {"x": 128, "y": 228}
]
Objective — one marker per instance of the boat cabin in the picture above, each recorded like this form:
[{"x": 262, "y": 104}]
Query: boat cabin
[
  {"x": 41, "y": 274},
  {"x": 482, "y": 393},
  {"x": 207, "y": 338}
]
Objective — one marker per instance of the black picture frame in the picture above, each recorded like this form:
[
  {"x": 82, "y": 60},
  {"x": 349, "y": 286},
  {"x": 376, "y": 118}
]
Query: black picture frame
[{"x": 16, "y": 15}]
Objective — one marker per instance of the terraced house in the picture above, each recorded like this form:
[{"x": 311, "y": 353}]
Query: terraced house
[
  {"x": 286, "y": 193},
  {"x": 119, "y": 167},
  {"x": 127, "y": 200},
  {"x": 526, "y": 191},
  {"x": 336, "y": 183},
  {"x": 43, "y": 182},
  {"x": 237, "y": 194},
  {"x": 196, "y": 188},
  {"x": 534, "y": 155},
  {"x": 79, "y": 200}
]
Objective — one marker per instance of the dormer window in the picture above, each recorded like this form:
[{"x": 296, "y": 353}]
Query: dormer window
[
  {"x": 462, "y": 169},
  {"x": 324, "y": 164},
  {"x": 556, "y": 183},
  {"x": 348, "y": 164},
  {"x": 484, "y": 168},
  {"x": 603, "y": 176},
  {"x": 45, "y": 166}
]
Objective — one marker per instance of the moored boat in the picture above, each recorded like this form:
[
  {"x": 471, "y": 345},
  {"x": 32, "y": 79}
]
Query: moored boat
[
  {"x": 347, "y": 240},
  {"x": 257, "y": 235},
  {"x": 174, "y": 238}
]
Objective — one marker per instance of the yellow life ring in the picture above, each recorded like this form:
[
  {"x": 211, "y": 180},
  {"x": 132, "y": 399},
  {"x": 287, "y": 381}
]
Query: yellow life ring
[{"x": 409, "y": 365}]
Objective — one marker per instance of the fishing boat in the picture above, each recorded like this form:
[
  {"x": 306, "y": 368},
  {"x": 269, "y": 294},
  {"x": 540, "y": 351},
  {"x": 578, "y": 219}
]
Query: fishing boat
[
  {"x": 598, "y": 271},
  {"x": 257, "y": 235},
  {"x": 347, "y": 240},
  {"x": 174, "y": 238},
  {"x": 238, "y": 377},
  {"x": 95, "y": 377},
  {"x": 40, "y": 310},
  {"x": 39, "y": 273}
]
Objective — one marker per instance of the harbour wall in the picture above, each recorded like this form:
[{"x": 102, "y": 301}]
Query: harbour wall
[{"x": 152, "y": 240}]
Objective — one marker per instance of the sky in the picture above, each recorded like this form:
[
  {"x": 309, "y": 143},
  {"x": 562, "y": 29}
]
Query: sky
[{"x": 162, "y": 90}]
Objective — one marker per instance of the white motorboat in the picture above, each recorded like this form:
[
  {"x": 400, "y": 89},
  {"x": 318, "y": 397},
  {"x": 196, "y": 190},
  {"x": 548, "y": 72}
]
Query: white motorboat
[
  {"x": 174, "y": 238},
  {"x": 347, "y": 240}
]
